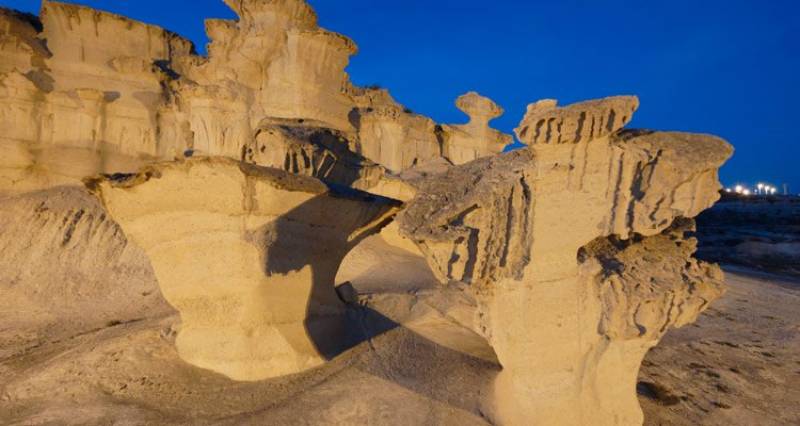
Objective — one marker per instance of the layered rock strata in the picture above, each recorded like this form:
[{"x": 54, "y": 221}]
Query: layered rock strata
[
  {"x": 248, "y": 255},
  {"x": 571, "y": 333},
  {"x": 390, "y": 134},
  {"x": 546, "y": 123},
  {"x": 88, "y": 92}
]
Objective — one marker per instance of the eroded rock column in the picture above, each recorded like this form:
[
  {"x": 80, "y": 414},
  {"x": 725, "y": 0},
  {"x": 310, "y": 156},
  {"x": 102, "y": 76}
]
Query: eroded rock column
[
  {"x": 466, "y": 142},
  {"x": 525, "y": 231},
  {"x": 248, "y": 255}
]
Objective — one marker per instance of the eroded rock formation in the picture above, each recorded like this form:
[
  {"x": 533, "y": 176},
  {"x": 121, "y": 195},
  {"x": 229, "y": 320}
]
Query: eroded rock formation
[
  {"x": 248, "y": 255},
  {"x": 512, "y": 227},
  {"x": 391, "y": 134},
  {"x": 238, "y": 178},
  {"x": 467, "y": 142},
  {"x": 91, "y": 92}
]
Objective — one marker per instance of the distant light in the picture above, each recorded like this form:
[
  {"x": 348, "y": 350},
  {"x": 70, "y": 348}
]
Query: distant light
[
  {"x": 761, "y": 186},
  {"x": 746, "y": 192},
  {"x": 739, "y": 189},
  {"x": 727, "y": 190},
  {"x": 772, "y": 191}
]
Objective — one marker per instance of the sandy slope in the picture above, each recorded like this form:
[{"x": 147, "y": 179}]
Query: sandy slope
[{"x": 738, "y": 365}]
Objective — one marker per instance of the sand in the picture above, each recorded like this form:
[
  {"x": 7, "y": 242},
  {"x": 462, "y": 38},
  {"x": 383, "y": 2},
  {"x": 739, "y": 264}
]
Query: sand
[{"x": 739, "y": 364}]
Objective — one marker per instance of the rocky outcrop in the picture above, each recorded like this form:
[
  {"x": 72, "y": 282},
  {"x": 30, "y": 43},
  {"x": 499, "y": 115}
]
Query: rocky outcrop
[
  {"x": 467, "y": 142},
  {"x": 311, "y": 151},
  {"x": 88, "y": 92},
  {"x": 545, "y": 123},
  {"x": 631, "y": 311},
  {"x": 512, "y": 228},
  {"x": 76, "y": 101},
  {"x": 66, "y": 266},
  {"x": 390, "y": 134},
  {"x": 564, "y": 261},
  {"x": 278, "y": 61},
  {"x": 394, "y": 136},
  {"x": 248, "y": 255}
]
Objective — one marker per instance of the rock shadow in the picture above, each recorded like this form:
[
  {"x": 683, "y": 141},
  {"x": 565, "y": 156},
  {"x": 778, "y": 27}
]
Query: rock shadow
[{"x": 314, "y": 239}]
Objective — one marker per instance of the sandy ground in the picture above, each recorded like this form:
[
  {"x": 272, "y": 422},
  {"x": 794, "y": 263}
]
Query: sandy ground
[{"x": 739, "y": 364}]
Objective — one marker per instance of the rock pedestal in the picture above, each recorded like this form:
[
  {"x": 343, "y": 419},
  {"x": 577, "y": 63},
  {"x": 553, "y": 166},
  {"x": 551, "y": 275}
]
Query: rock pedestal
[
  {"x": 569, "y": 313},
  {"x": 248, "y": 255}
]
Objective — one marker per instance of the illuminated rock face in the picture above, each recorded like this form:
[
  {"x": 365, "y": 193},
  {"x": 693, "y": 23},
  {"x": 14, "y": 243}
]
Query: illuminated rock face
[
  {"x": 87, "y": 92},
  {"x": 390, "y": 134},
  {"x": 248, "y": 256},
  {"x": 467, "y": 142},
  {"x": 573, "y": 249},
  {"x": 569, "y": 313},
  {"x": 395, "y": 137},
  {"x": 81, "y": 94}
]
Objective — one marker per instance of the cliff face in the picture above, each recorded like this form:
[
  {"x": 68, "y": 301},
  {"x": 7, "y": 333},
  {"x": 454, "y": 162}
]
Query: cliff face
[
  {"x": 235, "y": 181},
  {"x": 91, "y": 92}
]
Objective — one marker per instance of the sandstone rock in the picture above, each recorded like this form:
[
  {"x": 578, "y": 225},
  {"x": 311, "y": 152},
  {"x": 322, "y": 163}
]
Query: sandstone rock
[
  {"x": 286, "y": 63},
  {"x": 83, "y": 99},
  {"x": 390, "y": 134},
  {"x": 63, "y": 263},
  {"x": 312, "y": 151},
  {"x": 466, "y": 142},
  {"x": 632, "y": 311},
  {"x": 546, "y": 123},
  {"x": 248, "y": 255},
  {"x": 19, "y": 40},
  {"x": 564, "y": 262},
  {"x": 512, "y": 228},
  {"x": 87, "y": 92}
]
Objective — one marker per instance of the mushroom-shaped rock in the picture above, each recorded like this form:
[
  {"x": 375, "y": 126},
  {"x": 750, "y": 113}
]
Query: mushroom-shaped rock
[
  {"x": 480, "y": 109},
  {"x": 466, "y": 142},
  {"x": 248, "y": 255},
  {"x": 561, "y": 245},
  {"x": 545, "y": 123}
]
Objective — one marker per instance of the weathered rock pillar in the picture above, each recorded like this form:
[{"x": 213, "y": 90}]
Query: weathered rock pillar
[
  {"x": 248, "y": 255},
  {"x": 575, "y": 250}
]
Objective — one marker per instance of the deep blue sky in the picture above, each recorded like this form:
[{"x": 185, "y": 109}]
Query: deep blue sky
[{"x": 726, "y": 67}]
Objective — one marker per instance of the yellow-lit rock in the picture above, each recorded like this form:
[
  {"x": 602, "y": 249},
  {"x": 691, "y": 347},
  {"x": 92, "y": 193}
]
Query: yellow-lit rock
[{"x": 248, "y": 255}]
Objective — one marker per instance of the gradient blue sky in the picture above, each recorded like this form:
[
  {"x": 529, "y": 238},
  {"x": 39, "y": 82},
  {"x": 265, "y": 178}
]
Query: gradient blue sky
[{"x": 727, "y": 67}]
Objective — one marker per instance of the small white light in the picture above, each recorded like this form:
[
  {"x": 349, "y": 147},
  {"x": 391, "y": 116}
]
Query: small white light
[
  {"x": 761, "y": 186},
  {"x": 727, "y": 190},
  {"x": 739, "y": 189},
  {"x": 772, "y": 190},
  {"x": 746, "y": 192}
]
